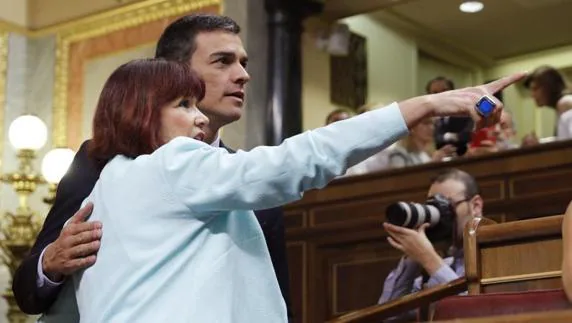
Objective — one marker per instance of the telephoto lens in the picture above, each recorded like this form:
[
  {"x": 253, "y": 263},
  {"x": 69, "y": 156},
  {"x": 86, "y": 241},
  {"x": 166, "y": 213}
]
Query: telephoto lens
[{"x": 437, "y": 211}]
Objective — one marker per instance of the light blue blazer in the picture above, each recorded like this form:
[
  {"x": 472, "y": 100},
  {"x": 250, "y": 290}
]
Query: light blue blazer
[{"x": 180, "y": 242}]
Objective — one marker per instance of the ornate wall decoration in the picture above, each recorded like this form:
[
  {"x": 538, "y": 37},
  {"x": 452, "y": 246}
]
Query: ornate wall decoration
[
  {"x": 348, "y": 77},
  {"x": 3, "y": 70},
  {"x": 103, "y": 34}
]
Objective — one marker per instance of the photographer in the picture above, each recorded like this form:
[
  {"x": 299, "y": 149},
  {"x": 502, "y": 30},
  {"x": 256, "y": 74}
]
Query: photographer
[
  {"x": 422, "y": 267},
  {"x": 449, "y": 131}
]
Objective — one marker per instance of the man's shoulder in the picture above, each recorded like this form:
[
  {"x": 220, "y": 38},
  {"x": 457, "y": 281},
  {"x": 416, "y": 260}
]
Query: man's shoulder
[{"x": 222, "y": 145}]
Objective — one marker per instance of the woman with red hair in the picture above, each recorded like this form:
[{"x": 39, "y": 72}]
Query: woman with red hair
[{"x": 180, "y": 240}]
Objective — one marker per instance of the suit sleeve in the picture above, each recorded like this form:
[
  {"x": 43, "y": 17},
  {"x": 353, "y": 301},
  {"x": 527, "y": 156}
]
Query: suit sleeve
[
  {"x": 208, "y": 179},
  {"x": 272, "y": 223},
  {"x": 74, "y": 187}
]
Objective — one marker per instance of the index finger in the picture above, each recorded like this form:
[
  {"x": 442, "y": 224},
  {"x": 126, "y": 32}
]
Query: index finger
[
  {"x": 82, "y": 214},
  {"x": 501, "y": 84}
]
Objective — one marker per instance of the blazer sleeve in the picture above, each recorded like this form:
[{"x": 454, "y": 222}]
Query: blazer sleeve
[
  {"x": 210, "y": 179},
  {"x": 74, "y": 187}
]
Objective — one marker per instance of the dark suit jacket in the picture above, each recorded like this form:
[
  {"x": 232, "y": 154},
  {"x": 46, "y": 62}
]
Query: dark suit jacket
[{"x": 74, "y": 187}]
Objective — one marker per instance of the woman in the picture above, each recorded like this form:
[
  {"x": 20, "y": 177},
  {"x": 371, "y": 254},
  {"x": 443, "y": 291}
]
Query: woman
[
  {"x": 548, "y": 89},
  {"x": 415, "y": 149},
  {"x": 180, "y": 242}
]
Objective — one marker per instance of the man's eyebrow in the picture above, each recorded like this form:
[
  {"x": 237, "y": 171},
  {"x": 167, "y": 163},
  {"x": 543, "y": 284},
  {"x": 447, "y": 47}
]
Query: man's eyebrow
[{"x": 223, "y": 54}]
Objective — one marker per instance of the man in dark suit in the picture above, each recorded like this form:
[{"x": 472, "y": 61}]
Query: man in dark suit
[
  {"x": 213, "y": 48},
  {"x": 455, "y": 131}
]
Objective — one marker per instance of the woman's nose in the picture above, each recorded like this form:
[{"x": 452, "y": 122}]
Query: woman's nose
[{"x": 201, "y": 120}]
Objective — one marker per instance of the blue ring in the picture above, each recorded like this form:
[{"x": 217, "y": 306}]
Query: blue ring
[{"x": 485, "y": 106}]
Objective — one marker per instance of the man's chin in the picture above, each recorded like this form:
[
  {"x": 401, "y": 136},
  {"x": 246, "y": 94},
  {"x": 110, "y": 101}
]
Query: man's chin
[{"x": 231, "y": 115}]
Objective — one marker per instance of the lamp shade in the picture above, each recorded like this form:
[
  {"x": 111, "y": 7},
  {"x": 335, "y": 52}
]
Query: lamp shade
[
  {"x": 56, "y": 163},
  {"x": 28, "y": 132}
]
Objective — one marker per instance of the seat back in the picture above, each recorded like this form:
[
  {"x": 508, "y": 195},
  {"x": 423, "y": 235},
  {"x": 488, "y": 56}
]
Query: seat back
[{"x": 514, "y": 256}]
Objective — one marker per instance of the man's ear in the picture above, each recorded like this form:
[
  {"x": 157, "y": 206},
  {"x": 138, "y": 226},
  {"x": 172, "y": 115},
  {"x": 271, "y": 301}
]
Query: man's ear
[{"x": 477, "y": 205}]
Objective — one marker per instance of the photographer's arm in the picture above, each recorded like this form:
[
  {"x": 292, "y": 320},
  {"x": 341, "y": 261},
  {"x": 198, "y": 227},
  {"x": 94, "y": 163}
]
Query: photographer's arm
[
  {"x": 400, "y": 281},
  {"x": 443, "y": 275},
  {"x": 416, "y": 245}
]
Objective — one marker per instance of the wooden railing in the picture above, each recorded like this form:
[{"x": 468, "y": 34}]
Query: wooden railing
[{"x": 377, "y": 313}]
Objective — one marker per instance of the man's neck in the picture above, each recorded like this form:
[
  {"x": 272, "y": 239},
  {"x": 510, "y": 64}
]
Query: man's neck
[{"x": 211, "y": 135}]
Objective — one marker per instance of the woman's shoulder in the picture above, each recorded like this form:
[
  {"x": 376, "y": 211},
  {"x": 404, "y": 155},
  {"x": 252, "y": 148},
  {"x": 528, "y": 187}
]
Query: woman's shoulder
[{"x": 564, "y": 105}]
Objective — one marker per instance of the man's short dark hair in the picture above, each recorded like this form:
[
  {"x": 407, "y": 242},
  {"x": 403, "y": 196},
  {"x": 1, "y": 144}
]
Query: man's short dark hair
[
  {"x": 471, "y": 186},
  {"x": 449, "y": 82},
  {"x": 177, "y": 43}
]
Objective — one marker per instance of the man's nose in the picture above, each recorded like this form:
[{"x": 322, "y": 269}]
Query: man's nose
[{"x": 242, "y": 77}]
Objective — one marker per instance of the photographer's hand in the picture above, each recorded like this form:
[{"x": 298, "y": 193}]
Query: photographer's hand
[{"x": 416, "y": 245}]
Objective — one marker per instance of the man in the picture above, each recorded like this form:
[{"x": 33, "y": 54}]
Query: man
[
  {"x": 213, "y": 48},
  {"x": 462, "y": 191},
  {"x": 454, "y": 131}
]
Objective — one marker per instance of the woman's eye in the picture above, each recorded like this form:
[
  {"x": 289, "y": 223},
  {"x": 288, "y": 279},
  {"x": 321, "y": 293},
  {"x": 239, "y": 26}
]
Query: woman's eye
[{"x": 185, "y": 104}]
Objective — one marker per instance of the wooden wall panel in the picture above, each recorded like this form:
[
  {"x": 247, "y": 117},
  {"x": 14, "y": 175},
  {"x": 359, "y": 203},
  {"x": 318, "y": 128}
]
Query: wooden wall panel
[
  {"x": 548, "y": 254},
  {"x": 297, "y": 259},
  {"x": 522, "y": 286}
]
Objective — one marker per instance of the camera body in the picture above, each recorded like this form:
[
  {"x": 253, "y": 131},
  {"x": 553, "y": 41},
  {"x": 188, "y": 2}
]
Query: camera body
[{"x": 437, "y": 211}]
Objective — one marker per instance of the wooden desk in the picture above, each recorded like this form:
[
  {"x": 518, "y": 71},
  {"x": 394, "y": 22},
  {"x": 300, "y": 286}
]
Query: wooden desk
[{"x": 337, "y": 251}]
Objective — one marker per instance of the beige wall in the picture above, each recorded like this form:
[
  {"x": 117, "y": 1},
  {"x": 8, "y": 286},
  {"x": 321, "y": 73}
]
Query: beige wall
[
  {"x": 392, "y": 60},
  {"x": 42, "y": 13},
  {"x": 14, "y": 11},
  {"x": 36, "y": 14},
  {"x": 428, "y": 68},
  {"x": 315, "y": 85}
]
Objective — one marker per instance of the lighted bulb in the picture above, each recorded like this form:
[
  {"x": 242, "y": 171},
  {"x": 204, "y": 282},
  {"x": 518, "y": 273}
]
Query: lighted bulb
[
  {"x": 56, "y": 163},
  {"x": 471, "y": 6},
  {"x": 28, "y": 132}
]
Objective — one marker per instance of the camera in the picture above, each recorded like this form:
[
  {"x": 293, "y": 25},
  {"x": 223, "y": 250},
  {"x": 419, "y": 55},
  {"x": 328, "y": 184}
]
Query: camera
[{"x": 437, "y": 211}]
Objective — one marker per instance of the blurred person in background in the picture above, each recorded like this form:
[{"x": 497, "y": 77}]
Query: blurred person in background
[
  {"x": 417, "y": 147},
  {"x": 548, "y": 89},
  {"x": 455, "y": 131},
  {"x": 338, "y": 115}
]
